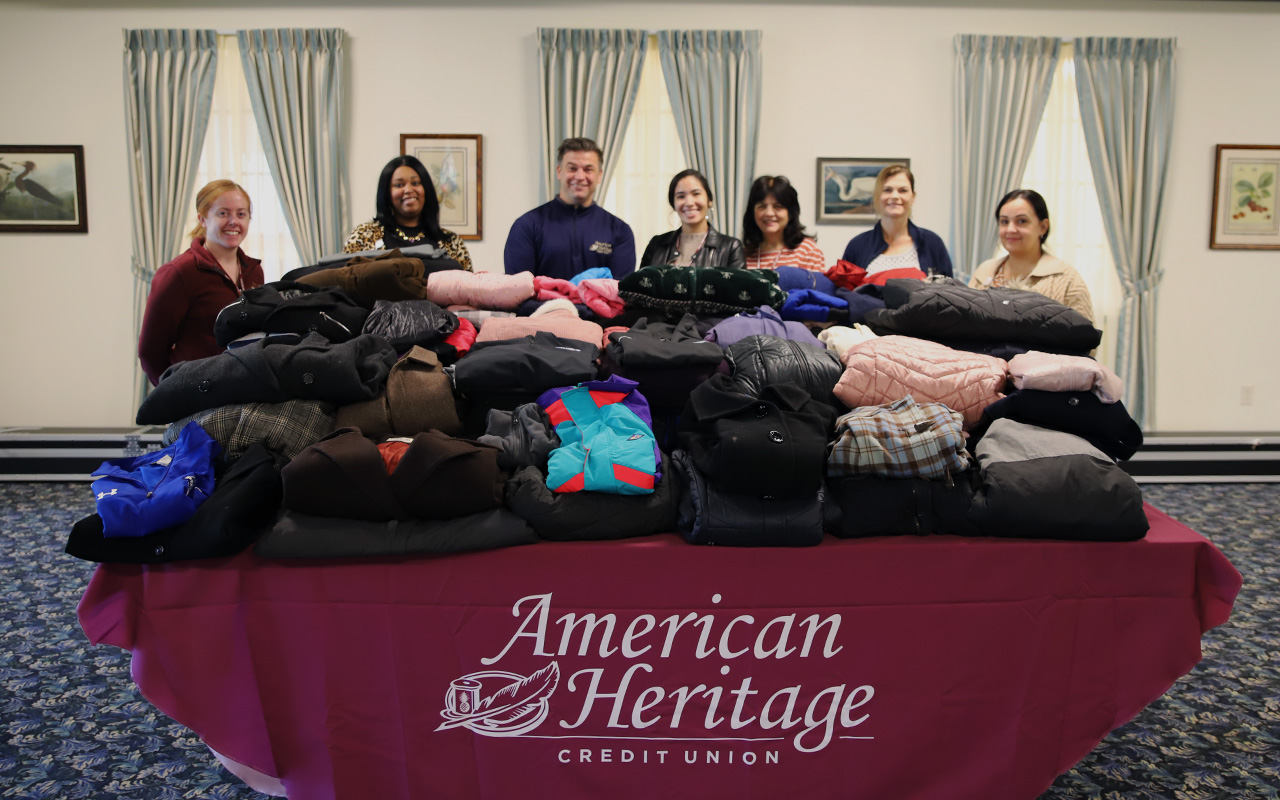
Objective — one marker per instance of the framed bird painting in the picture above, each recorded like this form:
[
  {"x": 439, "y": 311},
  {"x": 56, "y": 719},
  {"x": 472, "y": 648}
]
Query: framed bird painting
[
  {"x": 453, "y": 160},
  {"x": 845, "y": 187},
  {"x": 42, "y": 189}
]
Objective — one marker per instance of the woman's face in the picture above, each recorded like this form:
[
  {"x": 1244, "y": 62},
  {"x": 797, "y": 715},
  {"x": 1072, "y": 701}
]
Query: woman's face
[
  {"x": 772, "y": 217},
  {"x": 690, "y": 202},
  {"x": 1020, "y": 227},
  {"x": 896, "y": 198},
  {"x": 227, "y": 222},
  {"x": 407, "y": 194}
]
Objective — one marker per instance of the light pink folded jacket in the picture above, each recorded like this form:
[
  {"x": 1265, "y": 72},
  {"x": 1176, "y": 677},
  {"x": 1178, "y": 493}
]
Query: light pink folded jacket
[
  {"x": 493, "y": 290},
  {"x": 1049, "y": 372},
  {"x": 889, "y": 368},
  {"x": 561, "y": 322},
  {"x": 554, "y": 288},
  {"x": 601, "y": 296}
]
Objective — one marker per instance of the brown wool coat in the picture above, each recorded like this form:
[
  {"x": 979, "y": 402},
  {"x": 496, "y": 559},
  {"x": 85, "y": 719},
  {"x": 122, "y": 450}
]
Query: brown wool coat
[{"x": 419, "y": 397}]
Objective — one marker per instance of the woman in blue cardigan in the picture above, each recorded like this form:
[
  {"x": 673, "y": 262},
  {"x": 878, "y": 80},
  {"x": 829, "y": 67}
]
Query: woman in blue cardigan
[{"x": 896, "y": 242}]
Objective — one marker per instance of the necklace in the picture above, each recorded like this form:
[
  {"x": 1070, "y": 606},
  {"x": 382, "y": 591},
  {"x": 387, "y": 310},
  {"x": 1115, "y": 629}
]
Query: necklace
[
  {"x": 777, "y": 256},
  {"x": 410, "y": 239}
]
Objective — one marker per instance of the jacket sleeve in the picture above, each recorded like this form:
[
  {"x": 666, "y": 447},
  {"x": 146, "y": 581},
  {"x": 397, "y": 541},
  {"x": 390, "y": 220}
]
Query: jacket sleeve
[
  {"x": 623, "y": 260},
  {"x": 940, "y": 260},
  {"x": 456, "y": 249},
  {"x": 853, "y": 251},
  {"x": 1077, "y": 295},
  {"x": 521, "y": 252},
  {"x": 363, "y": 237},
  {"x": 166, "y": 308},
  {"x": 734, "y": 256},
  {"x": 653, "y": 253}
]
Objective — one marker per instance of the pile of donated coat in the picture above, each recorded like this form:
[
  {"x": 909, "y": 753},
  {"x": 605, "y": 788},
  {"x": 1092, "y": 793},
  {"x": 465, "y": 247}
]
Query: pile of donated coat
[{"x": 393, "y": 405}]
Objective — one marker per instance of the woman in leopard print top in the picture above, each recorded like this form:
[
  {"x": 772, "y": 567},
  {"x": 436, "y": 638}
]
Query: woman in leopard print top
[{"x": 408, "y": 214}]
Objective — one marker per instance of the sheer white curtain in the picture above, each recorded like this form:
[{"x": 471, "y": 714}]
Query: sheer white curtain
[
  {"x": 233, "y": 150},
  {"x": 1059, "y": 170},
  {"x": 650, "y": 156}
]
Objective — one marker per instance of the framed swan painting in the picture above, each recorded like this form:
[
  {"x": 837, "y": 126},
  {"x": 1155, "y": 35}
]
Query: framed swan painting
[
  {"x": 845, "y": 188},
  {"x": 42, "y": 189}
]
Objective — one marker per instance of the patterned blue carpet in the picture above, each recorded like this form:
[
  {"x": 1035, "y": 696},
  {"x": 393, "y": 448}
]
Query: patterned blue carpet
[{"x": 72, "y": 725}]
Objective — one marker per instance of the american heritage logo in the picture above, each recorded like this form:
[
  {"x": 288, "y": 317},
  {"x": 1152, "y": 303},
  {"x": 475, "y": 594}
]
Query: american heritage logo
[{"x": 503, "y": 704}]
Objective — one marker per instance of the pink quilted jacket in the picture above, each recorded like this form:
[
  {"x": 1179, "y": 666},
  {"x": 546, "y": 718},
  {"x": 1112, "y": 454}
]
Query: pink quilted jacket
[
  {"x": 491, "y": 290},
  {"x": 889, "y": 368}
]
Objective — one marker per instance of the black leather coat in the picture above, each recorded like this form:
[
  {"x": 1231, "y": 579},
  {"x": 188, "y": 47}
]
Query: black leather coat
[
  {"x": 762, "y": 360},
  {"x": 718, "y": 251}
]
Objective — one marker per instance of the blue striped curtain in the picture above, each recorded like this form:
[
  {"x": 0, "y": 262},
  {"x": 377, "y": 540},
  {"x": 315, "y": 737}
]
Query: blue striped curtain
[
  {"x": 168, "y": 93},
  {"x": 714, "y": 80},
  {"x": 1001, "y": 87},
  {"x": 588, "y": 80},
  {"x": 295, "y": 81},
  {"x": 1126, "y": 90}
]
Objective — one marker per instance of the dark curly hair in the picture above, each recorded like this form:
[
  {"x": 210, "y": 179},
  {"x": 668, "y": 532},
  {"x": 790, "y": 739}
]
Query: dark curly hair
[
  {"x": 782, "y": 190},
  {"x": 429, "y": 219}
]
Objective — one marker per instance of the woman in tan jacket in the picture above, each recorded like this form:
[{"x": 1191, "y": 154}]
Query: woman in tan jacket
[{"x": 1023, "y": 218}]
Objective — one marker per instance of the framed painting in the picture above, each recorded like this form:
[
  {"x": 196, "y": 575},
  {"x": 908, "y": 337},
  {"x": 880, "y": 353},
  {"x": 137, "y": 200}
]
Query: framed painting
[
  {"x": 454, "y": 162},
  {"x": 1244, "y": 198},
  {"x": 845, "y": 188},
  {"x": 42, "y": 189}
]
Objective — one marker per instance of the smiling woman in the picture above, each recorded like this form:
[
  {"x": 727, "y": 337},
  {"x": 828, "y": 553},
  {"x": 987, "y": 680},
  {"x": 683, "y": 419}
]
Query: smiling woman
[
  {"x": 771, "y": 231},
  {"x": 696, "y": 243},
  {"x": 408, "y": 214},
  {"x": 188, "y": 292},
  {"x": 1023, "y": 219},
  {"x": 896, "y": 242}
]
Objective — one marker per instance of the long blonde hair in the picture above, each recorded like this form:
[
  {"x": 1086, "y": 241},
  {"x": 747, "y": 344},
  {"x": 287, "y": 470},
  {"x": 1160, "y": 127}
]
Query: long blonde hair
[{"x": 206, "y": 197}]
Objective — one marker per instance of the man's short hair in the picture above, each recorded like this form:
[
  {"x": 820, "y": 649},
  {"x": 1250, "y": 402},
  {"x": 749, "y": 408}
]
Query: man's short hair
[{"x": 579, "y": 144}]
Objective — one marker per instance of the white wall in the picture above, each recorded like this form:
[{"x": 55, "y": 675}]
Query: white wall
[{"x": 861, "y": 80}]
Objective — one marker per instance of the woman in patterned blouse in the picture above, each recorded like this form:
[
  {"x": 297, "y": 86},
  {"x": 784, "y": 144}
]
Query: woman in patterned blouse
[
  {"x": 408, "y": 214},
  {"x": 771, "y": 231}
]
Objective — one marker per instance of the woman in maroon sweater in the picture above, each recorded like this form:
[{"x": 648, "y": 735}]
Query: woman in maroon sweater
[{"x": 189, "y": 291}]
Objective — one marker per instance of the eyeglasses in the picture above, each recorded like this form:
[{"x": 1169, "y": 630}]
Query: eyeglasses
[{"x": 224, "y": 214}]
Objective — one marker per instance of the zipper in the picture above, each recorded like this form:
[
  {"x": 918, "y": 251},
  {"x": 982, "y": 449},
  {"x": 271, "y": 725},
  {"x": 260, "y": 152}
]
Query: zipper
[{"x": 345, "y": 329}]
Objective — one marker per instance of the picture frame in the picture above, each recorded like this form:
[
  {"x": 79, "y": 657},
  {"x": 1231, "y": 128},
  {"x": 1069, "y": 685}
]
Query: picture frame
[
  {"x": 1246, "y": 184},
  {"x": 53, "y": 204},
  {"x": 845, "y": 187},
  {"x": 454, "y": 161}
]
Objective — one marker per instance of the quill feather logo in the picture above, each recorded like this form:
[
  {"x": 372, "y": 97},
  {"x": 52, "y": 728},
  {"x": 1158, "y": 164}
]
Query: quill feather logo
[{"x": 498, "y": 703}]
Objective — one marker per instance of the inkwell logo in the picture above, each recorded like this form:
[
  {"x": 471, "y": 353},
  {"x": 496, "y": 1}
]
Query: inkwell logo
[{"x": 497, "y": 703}]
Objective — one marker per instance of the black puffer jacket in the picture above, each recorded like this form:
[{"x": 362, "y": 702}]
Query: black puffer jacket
[
  {"x": 761, "y": 360},
  {"x": 948, "y": 311},
  {"x": 406, "y": 323}
]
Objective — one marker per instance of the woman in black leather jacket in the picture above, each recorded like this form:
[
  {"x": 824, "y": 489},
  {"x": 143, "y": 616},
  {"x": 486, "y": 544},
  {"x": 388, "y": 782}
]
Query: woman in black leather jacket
[{"x": 696, "y": 243}]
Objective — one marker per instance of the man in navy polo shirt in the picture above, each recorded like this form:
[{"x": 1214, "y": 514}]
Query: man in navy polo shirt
[{"x": 571, "y": 233}]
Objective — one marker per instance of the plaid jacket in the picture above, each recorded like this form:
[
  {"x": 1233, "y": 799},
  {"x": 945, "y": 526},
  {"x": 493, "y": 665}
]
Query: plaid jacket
[
  {"x": 902, "y": 439},
  {"x": 284, "y": 429}
]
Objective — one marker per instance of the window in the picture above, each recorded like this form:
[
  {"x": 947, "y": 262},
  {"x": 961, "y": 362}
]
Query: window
[
  {"x": 1059, "y": 170},
  {"x": 650, "y": 156},
  {"x": 232, "y": 150}
]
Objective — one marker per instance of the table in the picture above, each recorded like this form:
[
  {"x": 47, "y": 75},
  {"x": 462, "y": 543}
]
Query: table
[{"x": 911, "y": 668}]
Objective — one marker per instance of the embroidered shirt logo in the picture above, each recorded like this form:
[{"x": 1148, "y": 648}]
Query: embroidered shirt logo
[
  {"x": 105, "y": 494},
  {"x": 498, "y": 703},
  {"x": 603, "y": 248}
]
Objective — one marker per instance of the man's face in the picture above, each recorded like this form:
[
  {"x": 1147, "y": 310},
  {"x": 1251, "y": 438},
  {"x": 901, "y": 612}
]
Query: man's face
[{"x": 578, "y": 173}]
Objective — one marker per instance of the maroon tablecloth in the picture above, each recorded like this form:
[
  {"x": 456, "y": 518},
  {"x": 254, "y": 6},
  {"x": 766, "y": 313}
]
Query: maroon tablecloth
[{"x": 900, "y": 668}]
